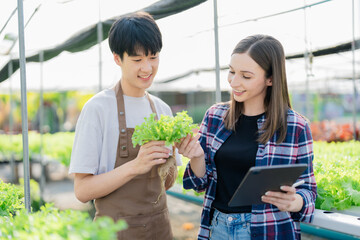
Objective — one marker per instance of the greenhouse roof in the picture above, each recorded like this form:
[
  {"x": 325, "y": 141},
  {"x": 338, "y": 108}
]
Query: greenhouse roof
[{"x": 188, "y": 39}]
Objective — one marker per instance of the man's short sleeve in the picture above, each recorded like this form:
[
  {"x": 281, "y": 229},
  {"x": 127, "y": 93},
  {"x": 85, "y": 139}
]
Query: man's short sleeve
[{"x": 87, "y": 143}]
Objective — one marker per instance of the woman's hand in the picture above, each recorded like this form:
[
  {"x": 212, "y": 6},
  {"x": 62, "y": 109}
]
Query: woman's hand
[
  {"x": 289, "y": 201},
  {"x": 190, "y": 147}
]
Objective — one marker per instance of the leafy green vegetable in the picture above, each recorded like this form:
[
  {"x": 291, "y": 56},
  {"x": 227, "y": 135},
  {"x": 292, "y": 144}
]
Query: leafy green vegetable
[
  {"x": 50, "y": 223},
  {"x": 56, "y": 146},
  {"x": 167, "y": 128},
  {"x": 35, "y": 198},
  {"x": 11, "y": 199},
  {"x": 336, "y": 170}
]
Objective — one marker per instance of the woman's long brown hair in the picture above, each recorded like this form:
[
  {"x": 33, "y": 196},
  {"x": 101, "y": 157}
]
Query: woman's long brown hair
[{"x": 268, "y": 53}]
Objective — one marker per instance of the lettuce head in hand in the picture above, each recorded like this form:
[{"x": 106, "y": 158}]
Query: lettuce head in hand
[{"x": 167, "y": 128}]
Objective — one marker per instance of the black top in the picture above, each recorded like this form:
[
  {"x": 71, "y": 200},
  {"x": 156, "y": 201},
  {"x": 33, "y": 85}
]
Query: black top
[{"x": 233, "y": 159}]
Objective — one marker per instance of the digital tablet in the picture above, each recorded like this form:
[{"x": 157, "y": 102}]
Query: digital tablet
[{"x": 261, "y": 179}]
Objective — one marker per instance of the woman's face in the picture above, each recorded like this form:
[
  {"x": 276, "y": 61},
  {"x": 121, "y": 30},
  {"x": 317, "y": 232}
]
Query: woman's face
[{"x": 248, "y": 82}]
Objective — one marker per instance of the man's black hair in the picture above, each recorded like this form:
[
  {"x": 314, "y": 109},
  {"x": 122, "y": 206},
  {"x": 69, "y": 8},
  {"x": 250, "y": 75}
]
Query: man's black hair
[{"x": 133, "y": 33}]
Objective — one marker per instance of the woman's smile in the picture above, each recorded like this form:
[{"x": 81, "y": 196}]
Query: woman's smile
[{"x": 238, "y": 92}]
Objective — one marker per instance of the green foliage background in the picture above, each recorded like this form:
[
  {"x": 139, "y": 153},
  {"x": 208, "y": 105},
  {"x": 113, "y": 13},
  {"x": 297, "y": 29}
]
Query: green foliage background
[
  {"x": 337, "y": 174},
  {"x": 336, "y": 165},
  {"x": 48, "y": 222},
  {"x": 51, "y": 223}
]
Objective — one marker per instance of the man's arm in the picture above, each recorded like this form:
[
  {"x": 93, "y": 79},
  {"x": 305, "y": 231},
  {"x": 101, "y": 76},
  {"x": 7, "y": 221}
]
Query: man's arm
[{"x": 89, "y": 186}]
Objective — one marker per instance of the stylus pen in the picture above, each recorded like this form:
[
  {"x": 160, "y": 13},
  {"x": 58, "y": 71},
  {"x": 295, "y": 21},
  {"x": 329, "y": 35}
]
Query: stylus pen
[{"x": 298, "y": 183}]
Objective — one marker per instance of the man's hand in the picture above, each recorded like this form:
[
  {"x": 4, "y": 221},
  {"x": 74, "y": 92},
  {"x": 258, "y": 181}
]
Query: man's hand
[{"x": 150, "y": 154}]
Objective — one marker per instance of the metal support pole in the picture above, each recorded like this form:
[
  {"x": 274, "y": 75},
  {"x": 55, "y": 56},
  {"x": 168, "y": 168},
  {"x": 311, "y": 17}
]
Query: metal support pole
[
  {"x": 307, "y": 65},
  {"x": 216, "y": 29},
  {"x": 24, "y": 116},
  {"x": 353, "y": 68},
  {"x": 11, "y": 124},
  {"x": 100, "y": 39},
  {"x": 27, "y": 22},
  {"x": 41, "y": 127}
]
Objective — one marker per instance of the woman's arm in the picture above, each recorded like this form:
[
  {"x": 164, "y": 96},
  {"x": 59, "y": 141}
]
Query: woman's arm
[
  {"x": 300, "y": 201},
  {"x": 308, "y": 190},
  {"x": 190, "y": 147},
  {"x": 199, "y": 180}
]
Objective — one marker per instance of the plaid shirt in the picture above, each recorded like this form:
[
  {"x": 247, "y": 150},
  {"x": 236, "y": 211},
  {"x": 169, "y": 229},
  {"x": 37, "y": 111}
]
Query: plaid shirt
[{"x": 267, "y": 221}]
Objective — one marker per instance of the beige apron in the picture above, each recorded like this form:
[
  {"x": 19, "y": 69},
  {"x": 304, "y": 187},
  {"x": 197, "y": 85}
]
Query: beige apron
[{"x": 134, "y": 201}]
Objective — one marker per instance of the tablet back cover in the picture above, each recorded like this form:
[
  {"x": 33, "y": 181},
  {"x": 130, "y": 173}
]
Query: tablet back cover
[{"x": 259, "y": 180}]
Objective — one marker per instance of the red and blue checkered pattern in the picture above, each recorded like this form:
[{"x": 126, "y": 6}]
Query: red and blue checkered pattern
[{"x": 267, "y": 221}]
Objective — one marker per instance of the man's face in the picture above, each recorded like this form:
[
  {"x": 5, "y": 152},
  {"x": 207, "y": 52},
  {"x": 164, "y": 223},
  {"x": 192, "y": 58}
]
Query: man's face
[{"x": 138, "y": 72}]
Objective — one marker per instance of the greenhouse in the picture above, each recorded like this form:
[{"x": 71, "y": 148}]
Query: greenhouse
[{"x": 55, "y": 59}]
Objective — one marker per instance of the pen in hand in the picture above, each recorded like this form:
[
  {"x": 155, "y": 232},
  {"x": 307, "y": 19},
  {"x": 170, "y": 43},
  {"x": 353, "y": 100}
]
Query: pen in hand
[{"x": 298, "y": 183}]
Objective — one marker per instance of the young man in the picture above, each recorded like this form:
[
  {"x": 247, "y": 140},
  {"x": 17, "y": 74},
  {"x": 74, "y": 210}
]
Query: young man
[{"x": 123, "y": 180}]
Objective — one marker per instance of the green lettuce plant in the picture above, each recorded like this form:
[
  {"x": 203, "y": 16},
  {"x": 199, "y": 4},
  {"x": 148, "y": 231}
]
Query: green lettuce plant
[
  {"x": 11, "y": 199},
  {"x": 336, "y": 170},
  {"x": 51, "y": 223},
  {"x": 167, "y": 128},
  {"x": 56, "y": 146}
]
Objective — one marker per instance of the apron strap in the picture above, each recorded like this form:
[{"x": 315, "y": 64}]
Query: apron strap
[
  {"x": 124, "y": 152},
  {"x": 152, "y": 105},
  {"x": 123, "y": 144}
]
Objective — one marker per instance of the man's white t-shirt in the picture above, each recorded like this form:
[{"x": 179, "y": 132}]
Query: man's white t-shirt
[{"x": 97, "y": 130}]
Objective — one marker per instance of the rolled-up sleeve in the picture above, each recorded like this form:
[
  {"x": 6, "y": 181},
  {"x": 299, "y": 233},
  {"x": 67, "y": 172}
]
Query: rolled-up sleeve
[{"x": 191, "y": 181}]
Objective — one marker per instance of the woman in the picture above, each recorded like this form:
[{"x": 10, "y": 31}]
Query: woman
[{"x": 256, "y": 128}]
